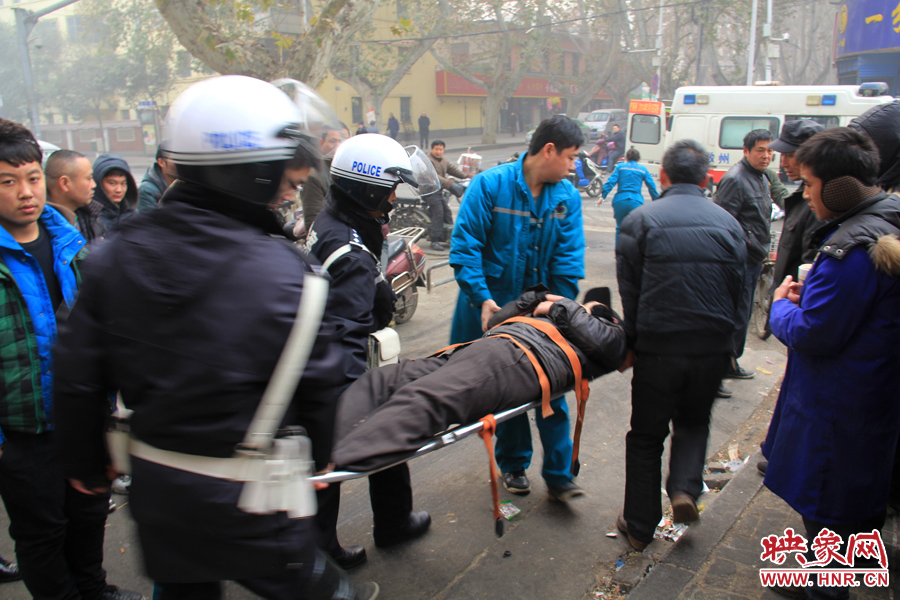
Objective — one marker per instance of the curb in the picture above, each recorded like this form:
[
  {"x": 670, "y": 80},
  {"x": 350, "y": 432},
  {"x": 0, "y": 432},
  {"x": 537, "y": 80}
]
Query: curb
[{"x": 680, "y": 564}]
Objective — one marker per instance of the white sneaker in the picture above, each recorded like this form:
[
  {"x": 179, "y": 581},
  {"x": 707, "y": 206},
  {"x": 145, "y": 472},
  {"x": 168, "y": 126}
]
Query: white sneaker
[{"x": 121, "y": 484}]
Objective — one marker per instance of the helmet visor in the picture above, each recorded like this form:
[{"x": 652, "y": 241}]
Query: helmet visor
[
  {"x": 425, "y": 178},
  {"x": 317, "y": 117}
]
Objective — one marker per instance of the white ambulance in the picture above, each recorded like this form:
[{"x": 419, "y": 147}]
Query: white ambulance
[{"x": 720, "y": 117}]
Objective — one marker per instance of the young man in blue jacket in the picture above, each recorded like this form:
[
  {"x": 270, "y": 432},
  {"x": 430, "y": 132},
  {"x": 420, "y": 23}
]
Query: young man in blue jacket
[
  {"x": 57, "y": 529},
  {"x": 521, "y": 225}
]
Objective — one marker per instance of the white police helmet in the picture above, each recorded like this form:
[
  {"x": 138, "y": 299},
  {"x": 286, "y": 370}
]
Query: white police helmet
[
  {"x": 369, "y": 167},
  {"x": 234, "y": 134}
]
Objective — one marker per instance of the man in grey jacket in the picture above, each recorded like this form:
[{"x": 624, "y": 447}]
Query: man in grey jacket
[
  {"x": 745, "y": 193},
  {"x": 680, "y": 267}
]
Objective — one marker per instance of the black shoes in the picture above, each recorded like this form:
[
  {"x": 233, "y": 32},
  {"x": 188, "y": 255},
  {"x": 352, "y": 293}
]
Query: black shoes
[
  {"x": 416, "y": 525},
  {"x": 735, "y": 371},
  {"x": 723, "y": 392},
  {"x": 9, "y": 571},
  {"x": 350, "y": 557},
  {"x": 684, "y": 508},
  {"x": 622, "y": 526},
  {"x": 762, "y": 465},
  {"x": 438, "y": 247},
  {"x": 517, "y": 483},
  {"x": 116, "y": 593},
  {"x": 564, "y": 492}
]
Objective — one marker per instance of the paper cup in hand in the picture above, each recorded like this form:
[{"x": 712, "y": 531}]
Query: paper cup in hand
[{"x": 802, "y": 271}]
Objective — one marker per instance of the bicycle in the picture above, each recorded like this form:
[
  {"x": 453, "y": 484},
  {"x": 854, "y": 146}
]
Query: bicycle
[{"x": 762, "y": 298}]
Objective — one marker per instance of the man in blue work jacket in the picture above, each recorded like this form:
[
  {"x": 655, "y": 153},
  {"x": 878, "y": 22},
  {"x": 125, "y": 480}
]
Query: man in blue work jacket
[{"x": 521, "y": 225}]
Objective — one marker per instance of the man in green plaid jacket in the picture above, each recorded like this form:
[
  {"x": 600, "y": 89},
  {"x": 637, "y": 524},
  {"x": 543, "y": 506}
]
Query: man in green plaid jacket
[{"x": 58, "y": 530}]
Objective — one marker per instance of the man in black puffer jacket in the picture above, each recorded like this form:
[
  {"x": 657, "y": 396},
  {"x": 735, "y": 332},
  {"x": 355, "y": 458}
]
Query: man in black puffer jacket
[
  {"x": 680, "y": 266},
  {"x": 392, "y": 411}
]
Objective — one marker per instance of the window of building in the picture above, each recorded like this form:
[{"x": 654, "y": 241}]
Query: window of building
[
  {"x": 356, "y": 111},
  {"x": 54, "y": 136},
  {"x": 733, "y": 130},
  {"x": 576, "y": 64},
  {"x": 126, "y": 114},
  {"x": 86, "y": 135},
  {"x": 125, "y": 134},
  {"x": 645, "y": 129},
  {"x": 406, "y": 110}
]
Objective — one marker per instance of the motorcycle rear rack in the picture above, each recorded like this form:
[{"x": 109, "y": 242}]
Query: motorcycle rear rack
[{"x": 441, "y": 440}]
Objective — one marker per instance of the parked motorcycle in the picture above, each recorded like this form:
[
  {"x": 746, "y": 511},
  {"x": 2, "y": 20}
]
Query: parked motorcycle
[
  {"x": 404, "y": 268},
  {"x": 413, "y": 212},
  {"x": 586, "y": 177}
]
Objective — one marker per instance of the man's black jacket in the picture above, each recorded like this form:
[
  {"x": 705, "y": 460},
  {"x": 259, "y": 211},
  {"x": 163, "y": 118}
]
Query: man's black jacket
[
  {"x": 680, "y": 264},
  {"x": 745, "y": 193}
]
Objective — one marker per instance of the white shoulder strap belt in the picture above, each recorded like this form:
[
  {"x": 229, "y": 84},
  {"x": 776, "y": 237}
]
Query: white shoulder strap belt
[
  {"x": 334, "y": 256},
  {"x": 275, "y": 472}
]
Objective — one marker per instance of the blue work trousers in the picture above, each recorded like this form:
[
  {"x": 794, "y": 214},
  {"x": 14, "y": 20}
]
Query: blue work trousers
[
  {"x": 513, "y": 450},
  {"x": 623, "y": 208}
]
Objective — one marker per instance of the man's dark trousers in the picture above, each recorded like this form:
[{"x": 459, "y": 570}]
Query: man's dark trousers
[
  {"x": 745, "y": 308},
  {"x": 439, "y": 211},
  {"x": 58, "y": 531},
  {"x": 667, "y": 387}
]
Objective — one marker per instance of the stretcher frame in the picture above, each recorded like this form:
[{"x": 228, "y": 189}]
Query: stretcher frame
[{"x": 441, "y": 440}]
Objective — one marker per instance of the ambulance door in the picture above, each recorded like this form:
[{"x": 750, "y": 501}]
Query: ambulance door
[{"x": 647, "y": 129}]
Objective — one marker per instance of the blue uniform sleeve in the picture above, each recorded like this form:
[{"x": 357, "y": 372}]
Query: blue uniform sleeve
[
  {"x": 472, "y": 228},
  {"x": 651, "y": 186},
  {"x": 836, "y": 298},
  {"x": 567, "y": 261},
  {"x": 611, "y": 182}
]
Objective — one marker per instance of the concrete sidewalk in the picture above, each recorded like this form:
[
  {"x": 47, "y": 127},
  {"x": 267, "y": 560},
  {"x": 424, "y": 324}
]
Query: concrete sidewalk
[{"x": 719, "y": 557}]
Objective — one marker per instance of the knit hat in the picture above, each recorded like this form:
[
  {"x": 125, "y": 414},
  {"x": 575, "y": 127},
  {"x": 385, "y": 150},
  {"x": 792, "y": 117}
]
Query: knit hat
[{"x": 844, "y": 192}]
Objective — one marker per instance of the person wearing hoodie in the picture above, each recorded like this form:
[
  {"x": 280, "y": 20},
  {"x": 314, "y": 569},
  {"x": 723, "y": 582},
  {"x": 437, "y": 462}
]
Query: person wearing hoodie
[
  {"x": 116, "y": 195},
  {"x": 157, "y": 180},
  {"x": 882, "y": 125},
  {"x": 837, "y": 410}
]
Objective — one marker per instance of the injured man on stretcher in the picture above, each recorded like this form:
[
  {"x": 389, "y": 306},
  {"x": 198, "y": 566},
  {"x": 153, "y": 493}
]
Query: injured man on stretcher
[{"x": 391, "y": 411}]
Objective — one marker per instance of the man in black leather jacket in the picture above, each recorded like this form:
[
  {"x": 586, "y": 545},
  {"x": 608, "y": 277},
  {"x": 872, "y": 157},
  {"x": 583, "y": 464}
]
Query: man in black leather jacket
[
  {"x": 745, "y": 193},
  {"x": 680, "y": 265},
  {"x": 392, "y": 411}
]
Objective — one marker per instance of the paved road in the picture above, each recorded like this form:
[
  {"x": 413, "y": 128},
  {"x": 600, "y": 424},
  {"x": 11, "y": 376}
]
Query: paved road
[{"x": 555, "y": 550}]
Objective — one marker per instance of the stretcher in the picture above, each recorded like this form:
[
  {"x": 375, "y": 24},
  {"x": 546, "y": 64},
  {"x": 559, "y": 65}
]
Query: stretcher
[{"x": 441, "y": 440}]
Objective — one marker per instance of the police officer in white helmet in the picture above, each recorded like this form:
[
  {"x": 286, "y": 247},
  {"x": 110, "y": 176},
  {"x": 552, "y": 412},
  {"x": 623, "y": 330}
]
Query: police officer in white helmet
[
  {"x": 186, "y": 313},
  {"x": 347, "y": 238}
]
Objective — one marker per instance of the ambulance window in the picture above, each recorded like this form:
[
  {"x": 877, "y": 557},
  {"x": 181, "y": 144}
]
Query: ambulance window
[
  {"x": 733, "y": 130},
  {"x": 645, "y": 129},
  {"x": 827, "y": 122}
]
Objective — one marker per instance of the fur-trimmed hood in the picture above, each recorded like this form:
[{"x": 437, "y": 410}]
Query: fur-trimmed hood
[
  {"x": 885, "y": 253},
  {"x": 874, "y": 223}
]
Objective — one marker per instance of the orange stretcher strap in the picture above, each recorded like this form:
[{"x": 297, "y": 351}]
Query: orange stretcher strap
[
  {"x": 487, "y": 434},
  {"x": 582, "y": 388}
]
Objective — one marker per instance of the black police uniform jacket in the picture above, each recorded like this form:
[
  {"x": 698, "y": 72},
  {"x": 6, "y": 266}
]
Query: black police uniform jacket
[
  {"x": 360, "y": 300},
  {"x": 186, "y": 312}
]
